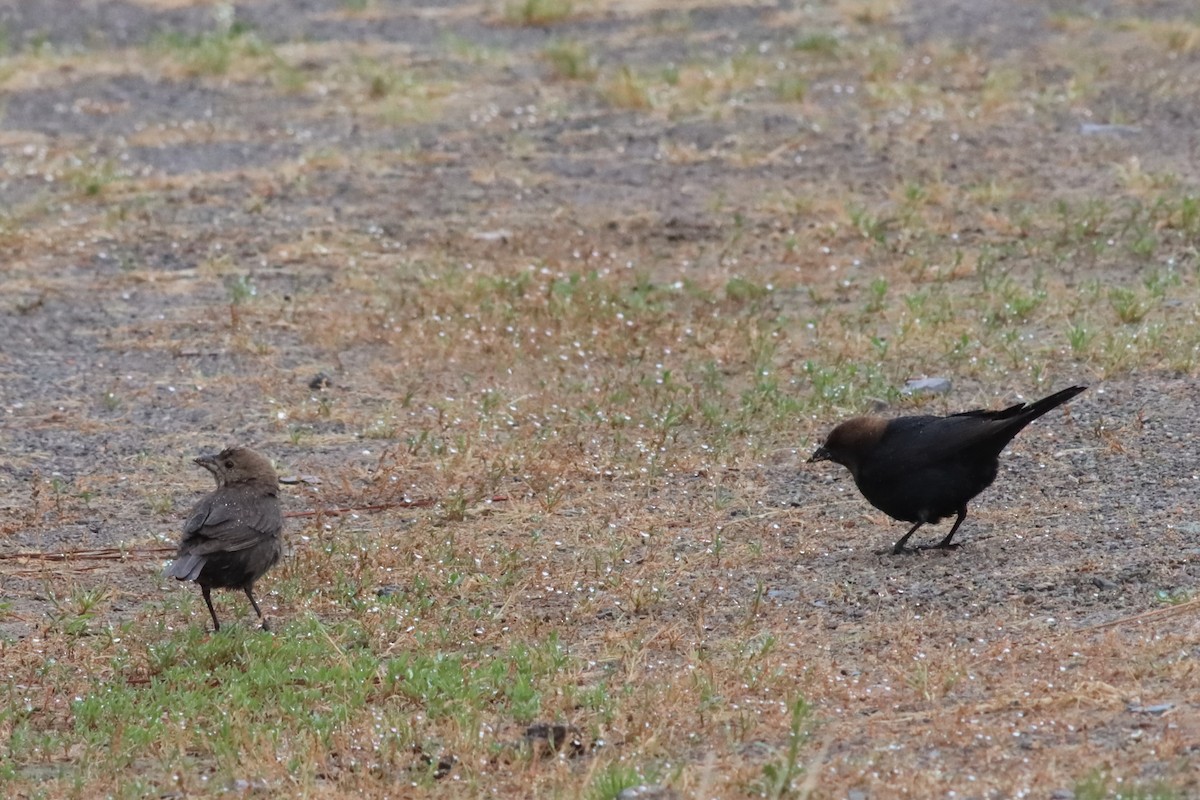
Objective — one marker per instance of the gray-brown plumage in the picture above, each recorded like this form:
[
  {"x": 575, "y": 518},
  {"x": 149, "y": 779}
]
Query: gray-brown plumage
[
  {"x": 922, "y": 469},
  {"x": 232, "y": 536}
]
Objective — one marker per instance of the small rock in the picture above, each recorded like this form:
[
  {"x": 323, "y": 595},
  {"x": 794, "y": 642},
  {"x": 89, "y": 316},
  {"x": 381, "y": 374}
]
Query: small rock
[
  {"x": 1094, "y": 129},
  {"x": 1104, "y": 583},
  {"x": 1159, "y": 708},
  {"x": 648, "y": 791},
  {"x": 856, "y": 794},
  {"x": 926, "y": 386},
  {"x": 1062, "y": 794},
  {"x": 311, "y": 480},
  {"x": 389, "y": 590},
  {"x": 243, "y": 786},
  {"x": 320, "y": 381},
  {"x": 443, "y": 765},
  {"x": 501, "y": 235},
  {"x": 756, "y": 749}
]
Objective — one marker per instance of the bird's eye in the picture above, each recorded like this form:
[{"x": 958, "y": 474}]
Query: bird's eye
[{"x": 228, "y": 463}]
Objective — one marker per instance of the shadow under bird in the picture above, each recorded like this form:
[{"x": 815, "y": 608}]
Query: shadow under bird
[
  {"x": 232, "y": 536},
  {"x": 924, "y": 468}
]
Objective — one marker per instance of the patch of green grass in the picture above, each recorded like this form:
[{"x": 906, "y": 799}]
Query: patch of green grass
[
  {"x": 848, "y": 384},
  {"x": 538, "y": 12},
  {"x": 817, "y": 43},
  {"x": 449, "y": 686},
  {"x": 1013, "y": 302},
  {"x": 389, "y": 90},
  {"x": 791, "y": 89},
  {"x": 877, "y": 295},
  {"x": 1080, "y": 336},
  {"x": 91, "y": 178},
  {"x": 869, "y": 224},
  {"x": 73, "y": 615},
  {"x": 627, "y": 90},
  {"x": 610, "y": 782},
  {"x": 193, "y": 700},
  {"x": 1099, "y": 786},
  {"x": 571, "y": 61},
  {"x": 111, "y": 401},
  {"x": 240, "y": 288},
  {"x": 780, "y": 773},
  {"x": 208, "y": 696},
  {"x": 1129, "y": 305},
  {"x": 214, "y": 52},
  {"x": 742, "y": 290}
]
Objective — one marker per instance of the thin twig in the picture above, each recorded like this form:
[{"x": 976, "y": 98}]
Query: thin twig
[
  {"x": 1155, "y": 613},
  {"x": 123, "y": 554},
  {"x": 424, "y": 502},
  {"x": 102, "y": 554}
]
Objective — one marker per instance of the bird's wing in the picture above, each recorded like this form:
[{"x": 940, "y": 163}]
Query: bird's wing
[
  {"x": 985, "y": 414},
  {"x": 229, "y": 520},
  {"x": 198, "y": 517},
  {"x": 225, "y": 538},
  {"x": 916, "y": 442}
]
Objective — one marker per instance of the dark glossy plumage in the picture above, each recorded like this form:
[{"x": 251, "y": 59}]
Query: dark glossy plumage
[
  {"x": 925, "y": 468},
  {"x": 232, "y": 536}
]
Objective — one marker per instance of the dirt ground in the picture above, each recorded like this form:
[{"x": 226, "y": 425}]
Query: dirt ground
[{"x": 187, "y": 242}]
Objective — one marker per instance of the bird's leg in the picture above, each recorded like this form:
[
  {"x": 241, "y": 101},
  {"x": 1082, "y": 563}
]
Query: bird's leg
[
  {"x": 899, "y": 548},
  {"x": 945, "y": 543},
  {"x": 265, "y": 625},
  {"x": 204, "y": 590}
]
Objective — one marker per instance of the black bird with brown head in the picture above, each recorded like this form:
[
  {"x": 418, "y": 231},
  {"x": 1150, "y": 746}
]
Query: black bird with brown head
[
  {"x": 233, "y": 535},
  {"x": 924, "y": 468}
]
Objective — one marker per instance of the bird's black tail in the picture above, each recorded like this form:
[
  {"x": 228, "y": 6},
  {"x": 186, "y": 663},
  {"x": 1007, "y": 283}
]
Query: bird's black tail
[
  {"x": 1035, "y": 410},
  {"x": 1018, "y": 416},
  {"x": 1008, "y": 423},
  {"x": 185, "y": 567}
]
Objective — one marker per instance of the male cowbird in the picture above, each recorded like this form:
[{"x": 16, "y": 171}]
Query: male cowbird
[
  {"x": 232, "y": 536},
  {"x": 921, "y": 469}
]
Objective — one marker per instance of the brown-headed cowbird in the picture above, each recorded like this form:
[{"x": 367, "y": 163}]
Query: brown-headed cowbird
[
  {"x": 921, "y": 469},
  {"x": 232, "y": 536}
]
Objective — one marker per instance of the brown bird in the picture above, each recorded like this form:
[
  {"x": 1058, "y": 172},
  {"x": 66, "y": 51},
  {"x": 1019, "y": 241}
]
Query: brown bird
[
  {"x": 924, "y": 468},
  {"x": 232, "y": 536}
]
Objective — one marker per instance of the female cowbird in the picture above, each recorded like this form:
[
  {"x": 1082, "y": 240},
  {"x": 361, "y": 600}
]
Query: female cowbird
[
  {"x": 921, "y": 469},
  {"x": 232, "y": 536}
]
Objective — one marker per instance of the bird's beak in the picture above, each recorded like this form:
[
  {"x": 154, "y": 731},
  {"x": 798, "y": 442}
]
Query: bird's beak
[
  {"x": 208, "y": 462},
  {"x": 820, "y": 455}
]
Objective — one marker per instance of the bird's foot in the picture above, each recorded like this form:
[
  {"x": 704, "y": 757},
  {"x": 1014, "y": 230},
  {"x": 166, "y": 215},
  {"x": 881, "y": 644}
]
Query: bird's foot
[
  {"x": 940, "y": 546},
  {"x": 266, "y": 626}
]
